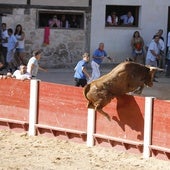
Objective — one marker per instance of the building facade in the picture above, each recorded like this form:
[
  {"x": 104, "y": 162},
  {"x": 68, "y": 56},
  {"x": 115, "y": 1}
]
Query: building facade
[{"x": 63, "y": 47}]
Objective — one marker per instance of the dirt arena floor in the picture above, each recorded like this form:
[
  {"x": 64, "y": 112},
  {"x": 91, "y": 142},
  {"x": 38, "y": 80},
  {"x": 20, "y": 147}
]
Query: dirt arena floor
[
  {"x": 21, "y": 152},
  {"x": 18, "y": 151}
]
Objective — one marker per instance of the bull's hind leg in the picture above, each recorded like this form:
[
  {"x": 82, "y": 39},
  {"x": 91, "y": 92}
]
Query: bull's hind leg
[
  {"x": 97, "y": 108},
  {"x": 90, "y": 105}
]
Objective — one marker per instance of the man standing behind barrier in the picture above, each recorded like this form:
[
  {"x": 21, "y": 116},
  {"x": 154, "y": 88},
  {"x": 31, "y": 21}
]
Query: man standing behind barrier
[
  {"x": 33, "y": 66},
  {"x": 21, "y": 74},
  {"x": 98, "y": 56},
  {"x": 81, "y": 73},
  {"x": 4, "y": 41}
]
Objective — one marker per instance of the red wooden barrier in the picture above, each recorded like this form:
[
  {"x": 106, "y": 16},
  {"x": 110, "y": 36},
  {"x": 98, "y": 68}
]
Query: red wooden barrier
[
  {"x": 161, "y": 129},
  {"x": 127, "y": 123},
  {"x": 62, "y": 112},
  {"x": 64, "y": 107},
  {"x": 14, "y": 103}
]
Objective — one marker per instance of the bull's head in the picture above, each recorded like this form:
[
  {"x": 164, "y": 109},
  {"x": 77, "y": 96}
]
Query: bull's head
[{"x": 152, "y": 71}]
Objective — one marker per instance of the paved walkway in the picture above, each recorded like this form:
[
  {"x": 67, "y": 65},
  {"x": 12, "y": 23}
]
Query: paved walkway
[{"x": 159, "y": 90}]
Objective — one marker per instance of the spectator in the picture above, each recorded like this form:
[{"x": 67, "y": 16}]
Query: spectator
[
  {"x": 21, "y": 74},
  {"x": 64, "y": 22},
  {"x": 74, "y": 22},
  {"x": 20, "y": 49},
  {"x": 81, "y": 74},
  {"x": 112, "y": 19},
  {"x": 12, "y": 44},
  {"x": 127, "y": 19},
  {"x": 167, "y": 74},
  {"x": 161, "y": 62},
  {"x": 33, "y": 66},
  {"x": 54, "y": 22},
  {"x": 1, "y": 66},
  {"x": 137, "y": 45},
  {"x": 4, "y": 40},
  {"x": 98, "y": 56},
  {"x": 153, "y": 52}
]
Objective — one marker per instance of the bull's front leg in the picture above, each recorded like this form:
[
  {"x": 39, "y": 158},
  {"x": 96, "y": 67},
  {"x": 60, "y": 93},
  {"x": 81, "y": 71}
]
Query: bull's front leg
[
  {"x": 102, "y": 112},
  {"x": 139, "y": 90}
]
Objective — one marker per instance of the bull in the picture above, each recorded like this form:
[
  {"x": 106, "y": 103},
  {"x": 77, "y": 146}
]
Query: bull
[{"x": 124, "y": 78}]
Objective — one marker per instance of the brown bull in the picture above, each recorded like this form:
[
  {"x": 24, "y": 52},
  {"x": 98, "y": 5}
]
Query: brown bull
[{"x": 124, "y": 78}]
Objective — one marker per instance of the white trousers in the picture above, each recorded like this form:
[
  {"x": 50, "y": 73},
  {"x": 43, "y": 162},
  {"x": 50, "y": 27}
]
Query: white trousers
[{"x": 95, "y": 71}]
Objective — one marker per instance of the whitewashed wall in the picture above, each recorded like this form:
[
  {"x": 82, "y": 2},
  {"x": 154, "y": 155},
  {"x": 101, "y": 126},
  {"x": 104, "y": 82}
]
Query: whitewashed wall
[
  {"x": 75, "y": 3},
  {"x": 153, "y": 16},
  {"x": 13, "y": 2}
]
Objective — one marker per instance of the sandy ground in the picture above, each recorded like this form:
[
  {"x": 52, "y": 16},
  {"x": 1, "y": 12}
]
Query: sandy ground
[
  {"x": 21, "y": 152},
  {"x": 18, "y": 151}
]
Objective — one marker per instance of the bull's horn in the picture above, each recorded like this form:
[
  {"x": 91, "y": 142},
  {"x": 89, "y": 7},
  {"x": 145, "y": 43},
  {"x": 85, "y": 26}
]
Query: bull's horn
[{"x": 156, "y": 68}]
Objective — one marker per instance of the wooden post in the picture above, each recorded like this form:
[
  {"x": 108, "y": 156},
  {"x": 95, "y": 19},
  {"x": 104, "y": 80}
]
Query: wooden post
[
  {"x": 33, "y": 107},
  {"x": 90, "y": 127},
  {"x": 147, "y": 126}
]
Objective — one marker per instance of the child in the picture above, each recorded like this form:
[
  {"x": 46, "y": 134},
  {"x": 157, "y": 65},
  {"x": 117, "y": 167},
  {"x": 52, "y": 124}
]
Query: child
[{"x": 81, "y": 74}]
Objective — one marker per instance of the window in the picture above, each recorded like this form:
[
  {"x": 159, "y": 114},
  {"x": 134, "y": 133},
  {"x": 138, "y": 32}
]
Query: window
[
  {"x": 61, "y": 19},
  {"x": 117, "y": 11}
]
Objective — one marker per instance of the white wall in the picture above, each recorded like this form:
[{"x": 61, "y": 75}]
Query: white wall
[
  {"x": 153, "y": 16},
  {"x": 75, "y": 3},
  {"x": 23, "y": 2}
]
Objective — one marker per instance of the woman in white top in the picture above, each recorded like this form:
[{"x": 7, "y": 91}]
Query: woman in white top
[
  {"x": 20, "y": 50},
  {"x": 112, "y": 19}
]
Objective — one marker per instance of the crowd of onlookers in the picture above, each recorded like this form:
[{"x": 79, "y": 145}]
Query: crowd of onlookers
[
  {"x": 12, "y": 55},
  {"x": 64, "y": 22},
  {"x": 126, "y": 19},
  {"x": 152, "y": 54}
]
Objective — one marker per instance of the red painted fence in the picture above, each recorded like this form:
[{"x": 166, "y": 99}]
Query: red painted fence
[{"x": 62, "y": 112}]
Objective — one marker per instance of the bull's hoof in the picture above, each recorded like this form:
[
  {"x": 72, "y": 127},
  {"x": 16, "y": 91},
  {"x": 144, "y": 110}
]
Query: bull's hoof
[{"x": 138, "y": 92}]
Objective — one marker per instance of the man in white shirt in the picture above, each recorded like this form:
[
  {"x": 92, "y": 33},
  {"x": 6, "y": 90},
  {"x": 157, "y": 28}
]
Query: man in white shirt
[
  {"x": 4, "y": 40},
  {"x": 21, "y": 74},
  {"x": 153, "y": 52},
  {"x": 127, "y": 19}
]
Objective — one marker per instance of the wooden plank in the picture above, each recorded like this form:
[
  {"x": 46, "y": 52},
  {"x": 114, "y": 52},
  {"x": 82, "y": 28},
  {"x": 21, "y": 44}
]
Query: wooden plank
[
  {"x": 159, "y": 148},
  {"x": 60, "y": 129},
  {"x": 13, "y": 121},
  {"x": 121, "y": 140}
]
